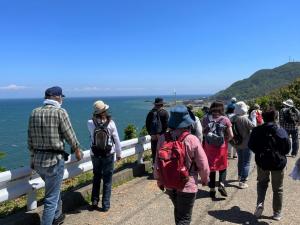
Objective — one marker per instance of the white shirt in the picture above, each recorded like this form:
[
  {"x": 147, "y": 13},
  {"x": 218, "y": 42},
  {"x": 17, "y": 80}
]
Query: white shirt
[{"x": 112, "y": 129}]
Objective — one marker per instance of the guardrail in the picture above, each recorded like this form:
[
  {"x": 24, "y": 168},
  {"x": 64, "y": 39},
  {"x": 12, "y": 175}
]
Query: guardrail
[{"x": 25, "y": 181}]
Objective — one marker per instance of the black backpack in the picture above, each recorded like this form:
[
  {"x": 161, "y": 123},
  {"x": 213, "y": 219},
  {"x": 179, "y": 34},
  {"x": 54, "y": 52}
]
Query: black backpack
[
  {"x": 290, "y": 115},
  {"x": 156, "y": 125},
  {"x": 237, "y": 137},
  {"x": 103, "y": 141},
  {"x": 215, "y": 134},
  {"x": 269, "y": 158}
]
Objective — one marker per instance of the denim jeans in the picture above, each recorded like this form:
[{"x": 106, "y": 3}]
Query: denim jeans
[
  {"x": 183, "y": 206},
  {"x": 212, "y": 178},
  {"x": 295, "y": 140},
  {"x": 103, "y": 168},
  {"x": 263, "y": 178},
  {"x": 52, "y": 177},
  {"x": 244, "y": 159}
]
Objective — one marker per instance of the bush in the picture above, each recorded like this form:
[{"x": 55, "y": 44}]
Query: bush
[
  {"x": 2, "y": 154},
  {"x": 130, "y": 132},
  {"x": 199, "y": 113},
  {"x": 143, "y": 132}
]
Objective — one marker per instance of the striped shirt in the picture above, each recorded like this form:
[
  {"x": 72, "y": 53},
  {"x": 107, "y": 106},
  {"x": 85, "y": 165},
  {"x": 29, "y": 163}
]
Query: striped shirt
[{"x": 48, "y": 128}]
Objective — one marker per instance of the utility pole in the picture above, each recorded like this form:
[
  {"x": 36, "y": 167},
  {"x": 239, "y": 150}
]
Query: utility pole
[{"x": 175, "y": 96}]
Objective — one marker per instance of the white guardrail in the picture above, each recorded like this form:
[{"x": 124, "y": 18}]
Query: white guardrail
[{"x": 25, "y": 181}]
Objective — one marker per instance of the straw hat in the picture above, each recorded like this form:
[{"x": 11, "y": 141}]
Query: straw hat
[{"x": 100, "y": 107}]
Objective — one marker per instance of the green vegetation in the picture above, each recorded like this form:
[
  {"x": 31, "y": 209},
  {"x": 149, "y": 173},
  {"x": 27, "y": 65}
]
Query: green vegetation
[
  {"x": 143, "y": 132},
  {"x": 275, "y": 98},
  {"x": 261, "y": 82},
  {"x": 2, "y": 154},
  {"x": 130, "y": 132},
  {"x": 199, "y": 113}
]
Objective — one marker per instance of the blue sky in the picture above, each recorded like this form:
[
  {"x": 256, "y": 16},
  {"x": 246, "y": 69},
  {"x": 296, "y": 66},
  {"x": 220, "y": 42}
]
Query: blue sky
[{"x": 141, "y": 47}]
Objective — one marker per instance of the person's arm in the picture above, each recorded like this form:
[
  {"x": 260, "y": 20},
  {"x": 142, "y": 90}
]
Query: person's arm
[
  {"x": 165, "y": 119},
  {"x": 198, "y": 128},
  {"x": 148, "y": 121},
  {"x": 116, "y": 138},
  {"x": 201, "y": 161},
  {"x": 229, "y": 131},
  {"x": 69, "y": 134},
  {"x": 253, "y": 117}
]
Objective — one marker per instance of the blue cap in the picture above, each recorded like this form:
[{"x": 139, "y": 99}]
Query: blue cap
[
  {"x": 180, "y": 117},
  {"x": 54, "y": 91}
]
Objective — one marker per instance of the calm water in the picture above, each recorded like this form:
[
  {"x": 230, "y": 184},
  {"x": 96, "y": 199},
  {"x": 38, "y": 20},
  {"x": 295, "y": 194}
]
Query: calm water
[{"x": 14, "y": 115}]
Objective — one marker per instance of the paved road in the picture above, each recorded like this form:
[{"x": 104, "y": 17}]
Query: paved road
[{"x": 140, "y": 202}]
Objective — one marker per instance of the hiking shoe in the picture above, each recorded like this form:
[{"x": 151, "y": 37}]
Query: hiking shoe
[
  {"x": 94, "y": 206},
  {"x": 222, "y": 190},
  {"x": 276, "y": 216},
  {"x": 243, "y": 185},
  {"x": 259, "y": 210},
  {"x": 59, "y": 220},
  {"x": 212, "y": 194},
  {"x": 104, "y": 209}
]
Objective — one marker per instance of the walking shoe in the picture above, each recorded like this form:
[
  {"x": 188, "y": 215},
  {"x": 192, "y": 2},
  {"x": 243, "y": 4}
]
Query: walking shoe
[
  {"x": 276, "y": 216},
  {"x": 212, "y": 194},
  {"x": 222, "y": 190},
  {"x": 59, "y": 220},
  {"x": 243, "y": 185},
  {"x": 259, "y": 210},
  {"x": 94, "y": 206}
]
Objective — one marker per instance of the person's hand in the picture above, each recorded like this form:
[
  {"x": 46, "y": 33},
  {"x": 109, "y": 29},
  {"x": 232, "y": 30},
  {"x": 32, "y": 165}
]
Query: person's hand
[
  {"x": 119, "y": 158},
  {"x": 78, "y": 154}
]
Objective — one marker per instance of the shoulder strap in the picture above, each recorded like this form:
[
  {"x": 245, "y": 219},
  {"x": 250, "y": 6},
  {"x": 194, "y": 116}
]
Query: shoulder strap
[{"x": 183, "y": 136}]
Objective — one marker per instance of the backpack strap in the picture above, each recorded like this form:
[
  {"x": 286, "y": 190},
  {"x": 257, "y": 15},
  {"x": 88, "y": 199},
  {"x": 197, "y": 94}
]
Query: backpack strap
[{"x": 183, "y": 136}]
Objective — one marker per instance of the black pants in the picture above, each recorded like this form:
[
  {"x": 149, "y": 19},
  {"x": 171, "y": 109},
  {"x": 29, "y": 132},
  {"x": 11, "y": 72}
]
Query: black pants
[
  {"x": 153, "y": 149},
  {"x": 212, "y": 178},
  {"x": 103, "y": 169},
  {"x": 183, "y": 206}
]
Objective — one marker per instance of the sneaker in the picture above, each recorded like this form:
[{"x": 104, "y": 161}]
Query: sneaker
[
  {"x": 59, "y": 220},
  {"x": 94, "y": 206},
  {"x": 222, "y": 190},
  {"x": 276, "y": 216},
  {"x": 104, "y": 209},
  {"x": 259, "y": 210},
  {"x": 243, "y": 185}
]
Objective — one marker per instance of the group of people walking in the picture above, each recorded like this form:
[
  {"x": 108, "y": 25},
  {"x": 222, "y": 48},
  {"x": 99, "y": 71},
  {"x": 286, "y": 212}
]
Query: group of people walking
[{"x": 183, "y": 149}]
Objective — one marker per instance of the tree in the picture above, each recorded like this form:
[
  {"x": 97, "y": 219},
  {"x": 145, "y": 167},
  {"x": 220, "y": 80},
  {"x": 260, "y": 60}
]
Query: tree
[
  {"x": 143, "y": 132},
  {"x": 130, "y": 132}
]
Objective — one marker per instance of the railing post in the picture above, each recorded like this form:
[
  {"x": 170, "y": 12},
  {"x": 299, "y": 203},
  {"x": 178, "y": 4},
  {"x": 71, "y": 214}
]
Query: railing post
[
  {"x": 31, "y": 200},
  {"x": 140, "y": 147}
]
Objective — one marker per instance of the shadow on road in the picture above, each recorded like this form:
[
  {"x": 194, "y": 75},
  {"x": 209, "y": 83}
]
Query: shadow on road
[{"x": 235, "y": 215}]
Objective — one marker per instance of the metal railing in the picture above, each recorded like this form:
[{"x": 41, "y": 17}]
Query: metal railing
[{"x": 25, "y": 181}]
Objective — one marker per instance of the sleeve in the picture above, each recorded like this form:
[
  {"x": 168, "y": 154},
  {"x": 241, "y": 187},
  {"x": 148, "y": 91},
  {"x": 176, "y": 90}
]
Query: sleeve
[
  {"x": 29, "y": 137},
  {"x": 67, "y": 130},
  {"x": 253, "y": 117},
  {"x": 116, "y": 138},
  {"x": 253, "y": 143},
  {"x": 281, "y": 118},
  {"x": 91, "y": 128},
  {"x": 148, "y": 121},
  {"x": 201, "y": 163},
  {"x": 165, "y": 119},
  {"x": 250, "y": 125},
  {"x": 199, "y": 129}
]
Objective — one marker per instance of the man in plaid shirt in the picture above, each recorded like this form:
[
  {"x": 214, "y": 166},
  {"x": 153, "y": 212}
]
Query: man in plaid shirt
[
  {"x": 49, "y": 126},
  {"x": 290, "y": 124}
]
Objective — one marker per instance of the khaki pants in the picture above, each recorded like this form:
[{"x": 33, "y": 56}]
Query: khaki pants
[{"x": 263, "y": 178}]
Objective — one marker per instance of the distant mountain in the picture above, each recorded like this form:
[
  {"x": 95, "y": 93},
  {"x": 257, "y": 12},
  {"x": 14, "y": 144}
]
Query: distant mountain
[{"x": 261, "y": 82}]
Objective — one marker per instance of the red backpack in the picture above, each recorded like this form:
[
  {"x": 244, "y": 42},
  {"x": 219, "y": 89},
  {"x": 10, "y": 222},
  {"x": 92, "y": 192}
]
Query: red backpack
[
  {"x": 259, "y": 118},
  {"x": 171, "y": 168}
]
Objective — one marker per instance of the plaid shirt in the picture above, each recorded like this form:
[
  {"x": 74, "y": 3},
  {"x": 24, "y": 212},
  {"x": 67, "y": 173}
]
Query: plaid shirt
[
  {"x": 48, "y": 127},
  {"x": 284, "y": 124}
]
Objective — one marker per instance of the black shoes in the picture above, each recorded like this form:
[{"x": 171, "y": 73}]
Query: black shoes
[
  {"x": 222, "y": 191},
  {"x": 212, "y": 194},
  {"x": 93, "y": 206},
  {"x": 59, "y": 220}
]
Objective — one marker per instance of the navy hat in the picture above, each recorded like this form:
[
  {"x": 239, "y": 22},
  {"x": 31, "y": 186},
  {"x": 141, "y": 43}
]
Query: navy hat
[
  {"x": 54, "y": 91},
  {"x": 159, "y": 101},
  {"x": 179, "y": 117}
]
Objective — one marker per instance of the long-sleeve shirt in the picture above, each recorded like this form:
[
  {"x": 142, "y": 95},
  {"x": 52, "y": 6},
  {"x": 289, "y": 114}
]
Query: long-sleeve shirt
[
  {"x": 244, "y": 126},
  {"x": 194, "y": 153},
  {"x": 164, "y": 117},
  {"x": 113, "y": 132},
  {"x": 48, "y": 128},
  {"x": 284, "y": 124}
]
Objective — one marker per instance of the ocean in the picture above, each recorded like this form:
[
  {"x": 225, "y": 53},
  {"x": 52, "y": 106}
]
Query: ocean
[{"x": 14, "y": 114}]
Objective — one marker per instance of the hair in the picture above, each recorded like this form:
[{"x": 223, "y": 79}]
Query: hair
[
  {"x": 102, "y": 115},
  {"x": 217, "y": 107},
  {"x": 270, "y": 115}
]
